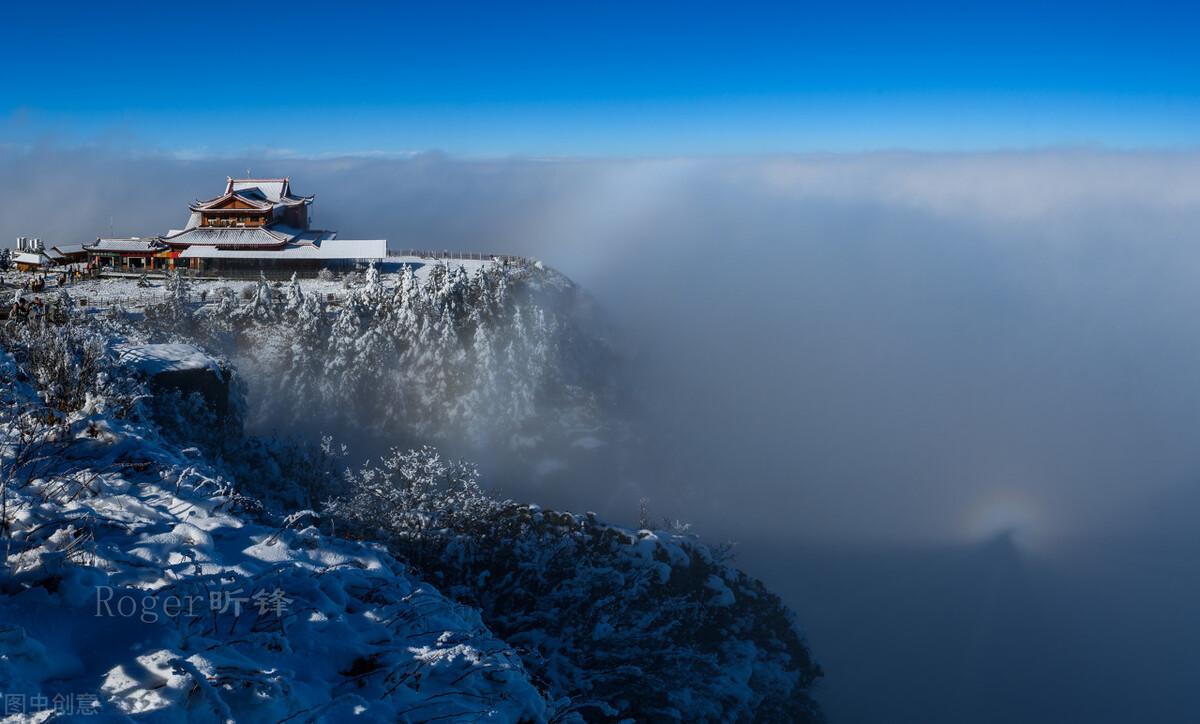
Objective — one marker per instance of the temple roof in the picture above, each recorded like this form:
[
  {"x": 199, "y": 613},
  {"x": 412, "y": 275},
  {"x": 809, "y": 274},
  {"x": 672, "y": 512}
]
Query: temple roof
[
  {"x": 150, "y": 244},
  {"x": 68, "y": 249},
  {"x": 257, "y": 193},
  {"x": 62, "y": 253},
  {"x": 234, "y": 237},
  {"x": 274, "y": 189}
]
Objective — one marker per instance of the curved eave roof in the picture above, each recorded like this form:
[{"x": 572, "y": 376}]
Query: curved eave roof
[
  {"x": 137, "y": 246},
  {"x": 256, "y": 204},
  {"x": 231, "y": 237}
]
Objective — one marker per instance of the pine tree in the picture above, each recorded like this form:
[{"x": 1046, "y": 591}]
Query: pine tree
[
  {"x": 261, "y": 307},
  {"x": 372, "y": 286},
  {"x": 309, "y": 332},
  {"x": 294, "y": 298},
  {"x": 338, "y": 376},
  {"x": 172, "y": 318}
]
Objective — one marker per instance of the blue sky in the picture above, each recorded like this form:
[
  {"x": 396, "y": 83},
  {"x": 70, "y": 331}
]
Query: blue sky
[{"x": 598, "y": 78}]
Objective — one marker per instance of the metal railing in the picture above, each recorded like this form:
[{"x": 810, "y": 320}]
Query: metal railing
[
  {"x": 463, "y": 255},
  {"x": 147, "y": 297},
  {"x": 249, "y": 275}
]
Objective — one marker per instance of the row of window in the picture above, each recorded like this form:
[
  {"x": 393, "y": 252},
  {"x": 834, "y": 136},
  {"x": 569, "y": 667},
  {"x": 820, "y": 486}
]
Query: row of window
[{"x": 233, "y": 221}]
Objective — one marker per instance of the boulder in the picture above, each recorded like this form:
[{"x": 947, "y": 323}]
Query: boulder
[{"x": 181, "y": 367}]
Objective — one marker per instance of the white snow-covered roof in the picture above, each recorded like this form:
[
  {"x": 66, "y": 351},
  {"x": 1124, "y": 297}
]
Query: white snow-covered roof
[
  {"x": 273, "y": 189},
  {"x": 68, "y": 249},
  {"x": 365, "y": 249},
  {"x": 256, "y": 193},
  {"x": 233, "y": 236},
  {"x": 26, "y": 257},
  {"x": 135, "y": 245}
]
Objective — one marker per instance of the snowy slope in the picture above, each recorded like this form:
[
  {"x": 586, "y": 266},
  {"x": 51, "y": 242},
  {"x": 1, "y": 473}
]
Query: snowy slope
[
  {"x": 124, "y": 569},
  {"x": 136, "y": 578}
]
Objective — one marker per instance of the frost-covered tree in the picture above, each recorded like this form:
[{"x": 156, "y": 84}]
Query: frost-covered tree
[
  {"x": 261, "y": 307},
  {"x": 217, "y": 319},
  {"x": 68, "y": 359},
  {"x": 308, "y": 325},
  {"x": 444, "y": 356},
  {"x": 412, "y": 492},
  {"x": 294, "y": 296}
]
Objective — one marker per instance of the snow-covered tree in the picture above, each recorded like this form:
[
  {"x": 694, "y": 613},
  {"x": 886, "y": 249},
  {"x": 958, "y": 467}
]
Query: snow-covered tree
[
  {"x": 619, "y": 624},
  {"x": 261, "y": 307},
  {"x": 445, "y": 356},
  {"x": 294, "y": 297},
  {"x": 411, "y": 492},
  {"x": 173, "y": 317}
]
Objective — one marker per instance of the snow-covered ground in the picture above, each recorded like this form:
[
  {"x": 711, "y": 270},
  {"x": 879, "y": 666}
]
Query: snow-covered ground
[{"x": 135, "y": 587}]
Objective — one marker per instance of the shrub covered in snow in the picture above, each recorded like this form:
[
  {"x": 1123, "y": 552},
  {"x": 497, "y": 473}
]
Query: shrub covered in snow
[
  {"x": 410, "y": 494},
  {"x": 68, "y": 362},
  {"x": 614, "y": 623}
]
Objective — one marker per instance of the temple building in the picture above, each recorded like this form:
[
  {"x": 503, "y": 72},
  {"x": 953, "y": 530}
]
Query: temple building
[
  {"x": 254, "y": 225},
  {"x": 32, "y": 255},
  {"x": 131, "y": 254}
]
